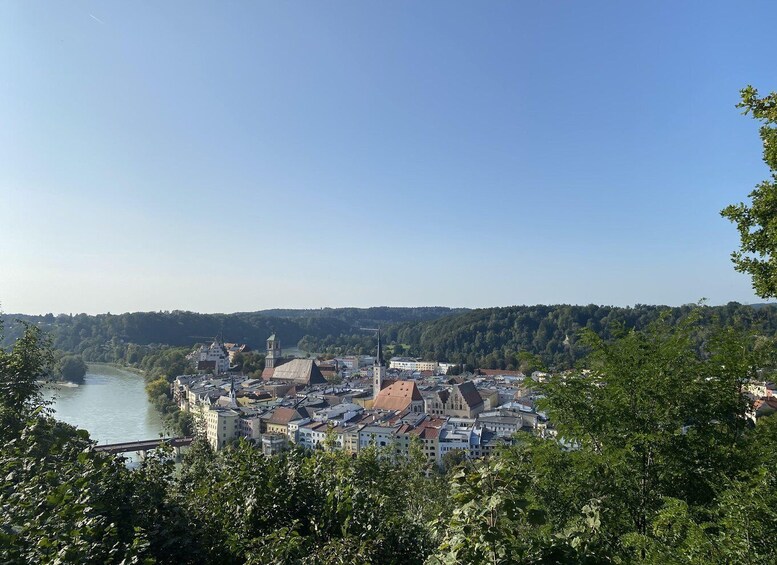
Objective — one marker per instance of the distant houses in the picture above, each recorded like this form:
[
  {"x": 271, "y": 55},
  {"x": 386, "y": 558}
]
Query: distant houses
[{"x": 294, "y": 404}]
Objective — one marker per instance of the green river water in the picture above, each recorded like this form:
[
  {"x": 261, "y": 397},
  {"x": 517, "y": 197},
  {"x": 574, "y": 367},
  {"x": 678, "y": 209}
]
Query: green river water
[{"x": 111, "y": 405}]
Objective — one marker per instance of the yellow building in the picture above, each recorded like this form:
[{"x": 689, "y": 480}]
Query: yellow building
[{"x": 221, "y": 426}]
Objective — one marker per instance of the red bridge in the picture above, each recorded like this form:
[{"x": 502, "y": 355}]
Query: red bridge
[{"x": 134, "y": 446}]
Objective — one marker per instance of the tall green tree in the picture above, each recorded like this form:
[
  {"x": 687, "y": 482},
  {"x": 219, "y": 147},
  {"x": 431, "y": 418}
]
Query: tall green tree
[
  {"x": 652, "y": 418},
  {"x": 21, "y": 367},
  {"x": 72, "y": 368},
  {"x": 757, "y": 223}
]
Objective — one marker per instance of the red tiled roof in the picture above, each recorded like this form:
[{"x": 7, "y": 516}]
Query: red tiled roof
[
  {"x": 429, "y": 433},
  {"x": 397, "y": 396},
  {"x": 765, "y": 405},
  {"x": 385, "y": 383},
  {"x": 283, "y": 415}
]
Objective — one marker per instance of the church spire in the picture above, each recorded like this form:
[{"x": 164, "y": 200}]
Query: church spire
[
  {"x": 378, "y": 370},
  {"x": 379, "y": 358},
  {"x": 232, "y": 398}
]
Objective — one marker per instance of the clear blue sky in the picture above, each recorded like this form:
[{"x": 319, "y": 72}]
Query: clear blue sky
[{"x": 234, "y": 156}]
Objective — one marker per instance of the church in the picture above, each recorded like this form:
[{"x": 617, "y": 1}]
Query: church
[
  {"x": 395, "y": 395},
  {"x": 303, "y": 372}
]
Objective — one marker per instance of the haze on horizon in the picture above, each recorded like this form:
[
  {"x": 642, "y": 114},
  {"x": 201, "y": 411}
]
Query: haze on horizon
[{"x": 235, "y": 157}]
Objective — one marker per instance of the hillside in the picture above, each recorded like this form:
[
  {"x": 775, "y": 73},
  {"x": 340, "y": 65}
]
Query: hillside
[
  {"x": 501, "y": 337},
  {"x": 90, "y": 335},
  {"x": 487, "y": 338}
]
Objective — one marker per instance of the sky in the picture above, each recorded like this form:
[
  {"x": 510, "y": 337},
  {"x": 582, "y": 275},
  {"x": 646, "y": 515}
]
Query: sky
[{"x": 236, "y": 156}]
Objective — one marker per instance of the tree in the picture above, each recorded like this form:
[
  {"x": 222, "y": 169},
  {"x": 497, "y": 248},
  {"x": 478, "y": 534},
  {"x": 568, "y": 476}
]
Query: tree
[
  {"x": 495, "y": 520},
  {"x": 452, "y": 459},
  {"x": 757, "y": 223},
  {"x": 529, "y": 363},
  {"x": 20, "y": 368},
  {"x": 72, "y": 368},
  {"x": 652, "y": 419}
]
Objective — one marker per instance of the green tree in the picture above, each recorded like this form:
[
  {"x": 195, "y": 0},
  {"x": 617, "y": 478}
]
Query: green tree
[
  {"x": 59, "y": 500},
  {"x": 651, "y": 419},
  {"x": 20, "y": 368},
  {"x": 453, "y": 459},
  {"x": 496, "y": 520},
  {"x": 757, "y": 223},
  {"x": 72, "y": 368}
]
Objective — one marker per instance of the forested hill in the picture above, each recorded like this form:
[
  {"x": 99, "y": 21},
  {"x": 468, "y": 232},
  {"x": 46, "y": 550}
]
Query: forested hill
[
  {"x": 501, "y": 337},
  {"x": 82, "y": 333},
  {"x": 487, "y": 338},
  {"x": 372, "y": 317}
]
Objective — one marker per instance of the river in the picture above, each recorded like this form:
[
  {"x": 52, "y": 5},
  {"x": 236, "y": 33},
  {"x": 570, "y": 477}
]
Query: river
[{"x": 111, "y": 405}]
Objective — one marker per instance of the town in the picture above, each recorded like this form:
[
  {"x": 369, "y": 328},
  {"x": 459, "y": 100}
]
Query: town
[
  {"x": 295, "y": 403},
  {"x": 410, "y": 402}
]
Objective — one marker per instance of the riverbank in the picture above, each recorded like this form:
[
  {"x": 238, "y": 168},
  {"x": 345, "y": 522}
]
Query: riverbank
[
  {"x": 105, "y": 368},
  {"x": 112, "y": 405},
  {"x": 156, "y": 370},
  {"x": 56, "y": 383}
]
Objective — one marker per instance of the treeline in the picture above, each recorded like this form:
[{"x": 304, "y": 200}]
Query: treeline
[
  {"x": 492, "y": 338},
  {"x": 99, "y": 337},
  {"x": 500, "y": 338},
  {"x": 368, "y": 317},
  {"x": 159, "y": 366},
  {"x": 664, "y": 468},
  {"x": 96, "y": 336}
]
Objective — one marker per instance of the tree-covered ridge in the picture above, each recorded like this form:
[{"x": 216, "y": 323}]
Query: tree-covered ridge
[
  {"x": 489, "y": 338},
  {"x": 84, "y": 333},
  {"x": 376, "y": 315},
  {"x": 94, "y": 336},
  {"x": 499, "y": 338}
]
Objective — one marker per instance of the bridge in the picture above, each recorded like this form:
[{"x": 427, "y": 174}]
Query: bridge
[{"x": 146, "y": 445}]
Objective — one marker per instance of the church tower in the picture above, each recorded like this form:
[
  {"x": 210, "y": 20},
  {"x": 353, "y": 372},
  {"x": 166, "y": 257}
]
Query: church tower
[
  {"x": 232, "y": 397},
  {"x": 274, "y": 353},
  {"x": 378, "y": 370}
]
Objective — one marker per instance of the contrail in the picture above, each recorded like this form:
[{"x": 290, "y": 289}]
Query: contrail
[{"x": 95, "y": 18}]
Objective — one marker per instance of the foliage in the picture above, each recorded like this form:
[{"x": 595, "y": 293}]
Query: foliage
[
  {"x": 106, "y": 337},
  {"x": 320, "y": 507},
  {"x": 653, "y": 463},
  {"x": 524, "y": 338},
  {"x": 530, "y": 338},
  {"x": 251, "y": 363},
  {"x": 652, "y": 420},
  {"x": 495, "y": 519},
  {"x": 757, "y": 223},
  {"x": 20, "y": 368},
  {"x": 72, "y": 368}
]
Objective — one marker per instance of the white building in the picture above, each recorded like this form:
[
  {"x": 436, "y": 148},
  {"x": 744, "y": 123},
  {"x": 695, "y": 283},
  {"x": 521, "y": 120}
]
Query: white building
[
  {"x": 452, "y": 438},
  {"x": 293, "y": 429},
  {"x": 380, "y": 436},
  {"x": 338, "y": 414},
  {"x": 412, "y": 365},
  {"x": 213, "y": 358},
  {"x": 312, "y": 434}
]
